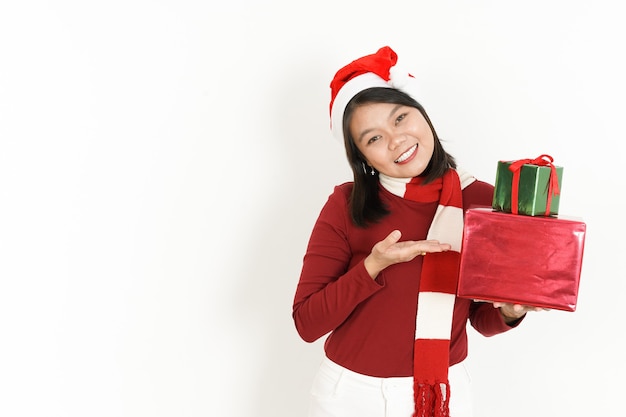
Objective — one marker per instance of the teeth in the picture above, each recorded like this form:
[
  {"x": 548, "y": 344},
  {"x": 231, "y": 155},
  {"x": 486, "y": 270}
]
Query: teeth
[{"x": 405, "y": 155}]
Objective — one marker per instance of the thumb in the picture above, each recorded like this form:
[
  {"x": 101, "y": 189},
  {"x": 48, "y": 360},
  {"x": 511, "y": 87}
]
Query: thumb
[{"x": 391, "y": 238}]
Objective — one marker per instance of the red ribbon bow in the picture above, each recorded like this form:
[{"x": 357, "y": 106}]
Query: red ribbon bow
[{"x": 553, "y": 182}]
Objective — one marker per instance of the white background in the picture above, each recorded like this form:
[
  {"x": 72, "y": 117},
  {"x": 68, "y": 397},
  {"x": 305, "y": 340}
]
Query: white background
[{"x": 162, "y": 164}]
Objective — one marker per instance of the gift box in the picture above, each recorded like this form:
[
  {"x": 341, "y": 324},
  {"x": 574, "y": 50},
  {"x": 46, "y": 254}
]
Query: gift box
[
  {"x": 528, "y": 186},
  {"x": 525, "y": 260}
]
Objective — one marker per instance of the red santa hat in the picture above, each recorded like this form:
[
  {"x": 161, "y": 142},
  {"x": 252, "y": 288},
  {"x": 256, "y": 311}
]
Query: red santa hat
[{"x": 376, "y": 70}]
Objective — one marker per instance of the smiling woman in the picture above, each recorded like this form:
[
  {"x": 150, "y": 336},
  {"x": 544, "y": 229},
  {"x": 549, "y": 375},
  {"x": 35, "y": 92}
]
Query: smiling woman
[
  {"x": 381, "y": 267},
  {"x": 389, "y": 135}
]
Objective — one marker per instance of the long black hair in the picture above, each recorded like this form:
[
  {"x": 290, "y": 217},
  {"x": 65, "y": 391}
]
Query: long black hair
[{"x": 365, "y": 203}]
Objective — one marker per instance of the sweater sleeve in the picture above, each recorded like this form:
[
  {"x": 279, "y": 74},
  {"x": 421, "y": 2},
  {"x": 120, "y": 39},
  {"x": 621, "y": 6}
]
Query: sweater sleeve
[
  {"x": 331, "y": 282},
  {"x": 487, "y": 320}
]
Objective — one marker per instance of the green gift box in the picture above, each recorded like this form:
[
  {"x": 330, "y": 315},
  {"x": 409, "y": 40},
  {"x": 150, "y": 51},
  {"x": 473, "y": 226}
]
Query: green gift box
[{"x": 533, "y": 183}]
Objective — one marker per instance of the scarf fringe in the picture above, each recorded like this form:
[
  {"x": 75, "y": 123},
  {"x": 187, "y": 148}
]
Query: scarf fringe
[{"x": 432, "y": 400}]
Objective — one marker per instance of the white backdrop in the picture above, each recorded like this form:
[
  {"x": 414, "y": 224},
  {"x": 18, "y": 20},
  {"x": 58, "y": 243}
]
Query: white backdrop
[{"x": 162, "y": 164}]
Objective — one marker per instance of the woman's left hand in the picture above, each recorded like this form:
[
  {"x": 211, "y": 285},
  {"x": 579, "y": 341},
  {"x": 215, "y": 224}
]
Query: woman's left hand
[{"x": 512, "y": 312}]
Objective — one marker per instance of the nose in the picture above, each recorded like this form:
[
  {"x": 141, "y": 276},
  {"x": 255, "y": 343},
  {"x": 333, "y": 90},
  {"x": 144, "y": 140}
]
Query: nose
[{"x": 396, "y": 139}]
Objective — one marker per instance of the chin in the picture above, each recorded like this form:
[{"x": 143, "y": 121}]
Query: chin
[{"x": 416, "y": 172}]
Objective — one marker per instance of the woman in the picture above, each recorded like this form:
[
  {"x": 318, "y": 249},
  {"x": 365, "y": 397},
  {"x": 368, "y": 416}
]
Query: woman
[{"x": 380, "y": 271}]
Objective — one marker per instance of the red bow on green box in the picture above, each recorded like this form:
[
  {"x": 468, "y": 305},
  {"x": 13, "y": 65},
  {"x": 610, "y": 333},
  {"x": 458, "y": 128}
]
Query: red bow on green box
[{"x": 553, "y": 182}]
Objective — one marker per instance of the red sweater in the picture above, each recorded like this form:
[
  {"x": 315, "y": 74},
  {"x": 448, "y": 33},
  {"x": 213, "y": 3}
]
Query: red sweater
[{"x": 372, "y": 322}]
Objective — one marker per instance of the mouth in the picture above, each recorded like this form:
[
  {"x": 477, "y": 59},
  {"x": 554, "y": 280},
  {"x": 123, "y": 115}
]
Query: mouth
[{"x": 407, "y": 155}]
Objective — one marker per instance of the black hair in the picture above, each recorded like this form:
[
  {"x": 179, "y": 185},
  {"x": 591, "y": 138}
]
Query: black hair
[{"x": 365, "y": 203}]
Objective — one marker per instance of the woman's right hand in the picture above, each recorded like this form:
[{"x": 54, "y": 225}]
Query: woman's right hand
[{"x": 390, "y": 251}]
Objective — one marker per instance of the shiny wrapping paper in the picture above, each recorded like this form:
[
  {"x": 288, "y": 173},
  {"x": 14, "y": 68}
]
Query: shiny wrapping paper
[
  {"x": 527, "y": 260},
  {"x": 533, "y": 189}
]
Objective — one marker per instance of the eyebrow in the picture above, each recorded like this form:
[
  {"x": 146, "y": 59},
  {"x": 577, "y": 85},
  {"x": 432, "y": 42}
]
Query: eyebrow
[{"x": 391, "y": 113}]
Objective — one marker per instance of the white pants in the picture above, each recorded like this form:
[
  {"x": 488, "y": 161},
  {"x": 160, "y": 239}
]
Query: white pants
[{"x": 339, "y": 392}]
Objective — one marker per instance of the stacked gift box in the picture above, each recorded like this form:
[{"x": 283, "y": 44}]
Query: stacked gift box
[{"x": 521, "y": 250}]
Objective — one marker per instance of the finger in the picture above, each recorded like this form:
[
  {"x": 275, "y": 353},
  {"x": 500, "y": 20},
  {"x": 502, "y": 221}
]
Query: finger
[
  {"x": 535, "y": 308},
  {"x": 432, "y": 246},
  {"x": 391, "y": 239}
]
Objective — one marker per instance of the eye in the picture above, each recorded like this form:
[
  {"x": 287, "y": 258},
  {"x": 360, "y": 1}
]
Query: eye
[
  {"x": 400, "y": 118},
  {"x": 373, "y": 139}
]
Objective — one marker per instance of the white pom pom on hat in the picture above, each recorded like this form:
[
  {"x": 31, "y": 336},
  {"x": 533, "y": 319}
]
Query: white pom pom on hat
[{"x": 375, "y": 70}]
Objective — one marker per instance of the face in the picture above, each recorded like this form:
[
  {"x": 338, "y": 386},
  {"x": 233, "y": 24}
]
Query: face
[{"x": 395, "y": 139}]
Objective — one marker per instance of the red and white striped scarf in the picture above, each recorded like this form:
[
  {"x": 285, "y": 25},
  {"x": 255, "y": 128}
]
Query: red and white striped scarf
[{"x": 437, "y": 291}]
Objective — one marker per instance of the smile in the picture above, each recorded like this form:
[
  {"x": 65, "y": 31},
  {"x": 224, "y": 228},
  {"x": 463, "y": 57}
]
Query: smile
[{"x": 406, "y": 155}]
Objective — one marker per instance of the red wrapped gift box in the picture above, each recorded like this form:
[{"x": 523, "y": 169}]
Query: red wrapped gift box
[{"x": 521, "y": 259}]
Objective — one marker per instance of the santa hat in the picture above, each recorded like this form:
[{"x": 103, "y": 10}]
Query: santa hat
[{"x": 376, "y": 70}]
